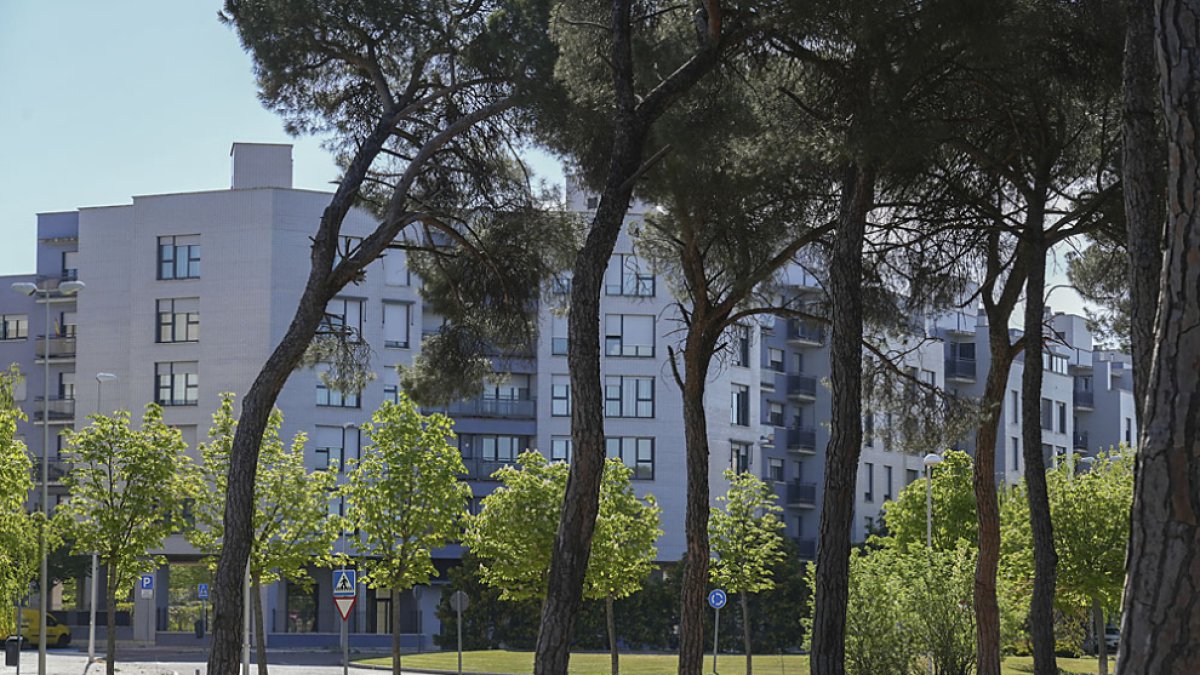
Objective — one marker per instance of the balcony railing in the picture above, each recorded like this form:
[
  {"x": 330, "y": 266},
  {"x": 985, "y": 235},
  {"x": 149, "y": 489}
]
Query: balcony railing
[
  {"x": 1085, "y": 399},
  {"x": 802, "y": 440},
  {"x": 806, "y": 331},
  {"x": 807, "y": 547},
  {"x": 482, "y": 469},
  {"x": 1080, "y": 439},
  {"x": 58, "y": 409},
  {"x": 802, "y": 386},
  {"x": 801, "y": 494},
  {"x": 960, "y": 369},
  {"x": 56, "y": 469},
  {"x": 494, "y": 407},
  {"x": 56, "y": 347}
]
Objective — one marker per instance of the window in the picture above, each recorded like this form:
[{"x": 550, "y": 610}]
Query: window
[
  {"x": 1014, "y": 406},
  {"x": 628, "y": 335},
  {"x": 739, "y": 406},
  {"x": 592, "y": 203},
  {"x": 391, "y": 393},
  {"x": 910, "y": 476},
  {"x": 929, "y": 377},
  {"x": 178, "y": 320},
  {"x": 887, "y": 483},
  {"x": 68, "y": 324},
  {"x": 1128, "y": 431},
  {"x": 739, "y": 456},
  {"x": 395, "y": 271},
  {"x": 626, "y": 275},
  {"x": 396, "y": 319},
  {"x": 775, "y": 470},
  {"x": 1054, "y": 363},
  {"x": 869, "y": 493},
  {"x": 963, "y": 351},
  {"x": 741, "y": 346},
  {"x": 560, "y": 395},
  {"x": 70, "y": 265},
  {"x": 1062, "y": 416},
  {"x": 177, "y": 383},
  {"x": 1016, "y": 453},
  {"x": 868, "y": 428},
  {"x": 343, "y": 316},
  {"x": 1047, "y": 415},
  {"x": 66, "y": 386},
  {"x": 510, "y": 387},
  {"x": 179, "y": 257},
  {"x": 635, "y": 452},
  {"x": 332, "y": 398},
  {"x": 14, "y": 327},
  {"x": 774, "y": 414},
  {"x": 560, "y": 449},
  {"x": 560, "y": 284},
  {"x": 775, "y": 359},
  {"x": 501, "y": 449},
  {"x": 1083, "y": 383},
  {"x": 627, "y": 396},
  {"x": 558, "y": 335}
]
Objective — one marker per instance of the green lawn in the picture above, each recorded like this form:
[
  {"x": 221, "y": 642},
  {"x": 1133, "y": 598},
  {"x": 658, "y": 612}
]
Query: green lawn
[{"x": 521, "y": 663}]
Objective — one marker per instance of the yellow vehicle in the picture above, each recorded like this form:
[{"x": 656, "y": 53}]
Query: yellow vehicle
[{"x": 57, "y": 634}]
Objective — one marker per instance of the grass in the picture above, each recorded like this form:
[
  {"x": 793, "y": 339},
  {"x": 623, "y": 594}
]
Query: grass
[{"x": 521, "y": 663}]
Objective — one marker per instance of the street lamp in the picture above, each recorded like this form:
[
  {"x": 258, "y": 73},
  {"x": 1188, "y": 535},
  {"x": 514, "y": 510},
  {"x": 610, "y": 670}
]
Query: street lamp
[
  {"x": 930, "y": 460},
  {"x": 101, "y": 378},
  {"x": 44, "y": 294}
]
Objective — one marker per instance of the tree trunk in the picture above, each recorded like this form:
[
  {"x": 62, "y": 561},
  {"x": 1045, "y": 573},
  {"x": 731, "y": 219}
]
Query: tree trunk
[
  {"x": 612, "y": 635},
  {"x": 260, "y": 632},
  {"x": 1162, "y": 619},
  {"x": 1101, "y": 629},
  {"x": 396, "y": 632},
  {"x": 697, "y": 357},
  {"x": 845, "y": 441},
  {"x": 1045, "y": 560},
  {"x": 1143, "y": 186},
  {"x": 987, "y": 509},
  {"x": 110, "y": 616},
  {"x": 745, "y": 601}
]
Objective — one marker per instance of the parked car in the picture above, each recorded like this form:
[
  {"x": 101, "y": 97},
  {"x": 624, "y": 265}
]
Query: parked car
[
  {"x": 1112, "y": 639},
  {"x": 57, "y": 634}
]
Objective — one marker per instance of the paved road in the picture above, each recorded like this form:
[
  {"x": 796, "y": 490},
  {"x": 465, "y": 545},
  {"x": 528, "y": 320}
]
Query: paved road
[{"x": 164, "y": 661}]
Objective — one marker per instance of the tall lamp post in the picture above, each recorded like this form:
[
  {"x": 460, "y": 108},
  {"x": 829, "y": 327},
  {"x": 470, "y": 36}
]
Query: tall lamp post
[
  {"x": 44, "y": 294},
  {"x": 931, "y": 460},
  {"x": 101, "y": 378}
]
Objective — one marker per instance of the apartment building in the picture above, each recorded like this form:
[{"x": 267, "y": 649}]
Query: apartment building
[{"x": 186, "y": 294}]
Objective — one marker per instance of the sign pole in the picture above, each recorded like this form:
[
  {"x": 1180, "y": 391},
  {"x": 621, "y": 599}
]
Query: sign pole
[
  {"x": 716, "y": 633},
  {"x": 459, "y": 612},
  {"x": 345, "y": 649}
]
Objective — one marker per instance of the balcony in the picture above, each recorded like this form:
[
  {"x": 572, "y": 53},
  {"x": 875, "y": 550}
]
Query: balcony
[
  {"x": 806, "y": 333},
  {"x": 479, "y": 469},
  {"x": 802, "y": 495},
  {"x": 802, "y": 440},
  {"x": 802, "y": 387},
  {"x": 57, "y": 469},
  {"x": 1085, "y": 400},
  {"x": 960, "y": 370},
  {"x": 58, "y": 410},
  {"x": 512, "y": 408},
  {"x": 807, "y": 547},
  {"x": 55, "y": 347},
  {"x": 1080, "y": 440}
]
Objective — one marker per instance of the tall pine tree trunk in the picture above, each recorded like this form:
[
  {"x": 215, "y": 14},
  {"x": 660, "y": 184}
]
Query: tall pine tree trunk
[
  {"x": 1045, "y": 560},
  {"x": 110, "y": 616},
  {"x": 745, "y": 602},
  {"x": 611, "y": 620},
  {"x": 697, "y": 357},
  {"x": 845, "y": 441},
  {"x": 1143, "y": 186},
  {"x": 1162, "y": 618},
  {"x": 260, "y": 628}
]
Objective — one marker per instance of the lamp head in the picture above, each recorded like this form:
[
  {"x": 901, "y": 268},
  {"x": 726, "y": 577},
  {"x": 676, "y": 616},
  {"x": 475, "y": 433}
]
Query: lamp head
[
  {"x": 105, "y": 377},
  {"x": 931, "y": 460},
  {"x": 71, "y": 287},
  {"x": 25, "y": 287}
]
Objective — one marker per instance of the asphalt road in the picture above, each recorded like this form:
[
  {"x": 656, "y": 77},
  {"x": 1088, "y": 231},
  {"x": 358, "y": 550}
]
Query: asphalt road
[{"x": 167, "y": 661}]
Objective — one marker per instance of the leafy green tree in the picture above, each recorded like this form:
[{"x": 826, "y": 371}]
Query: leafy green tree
[
  {"x": 745, "y": 538},
  {"x": 514, "y": 534},
  {"x": 292, "y": 527},
  {"x": 18, "y": 528},
  {"x": 405, "y": 497},
  {"x": 129, "y": 490},
  {"x": 953, "y": 507}
]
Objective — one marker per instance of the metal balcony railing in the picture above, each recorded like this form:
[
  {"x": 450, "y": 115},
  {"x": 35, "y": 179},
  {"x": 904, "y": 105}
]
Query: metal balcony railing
[
  {"x": 801, "y": 494},
  {"x": 58, "y": 409},
  {"x": 1085, "y": 399},
  {"x": 56, "y": 468},
  {"x": 806, "y": 331},
  {"x": 56, "y": 347},
  {"x": 801, "y": 439},
  {"x": 802, "y": 386},
  {"x": 494, "y": 407},
  {"x": 479, "y": 469},
  {"x": 1080, "y": 440},
  {"x": 960, "y": 369}
]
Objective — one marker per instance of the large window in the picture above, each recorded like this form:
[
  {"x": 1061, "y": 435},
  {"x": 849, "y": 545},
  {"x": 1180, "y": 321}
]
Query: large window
[
  {"x": 775, "y": 359},
  {"x": 774, "y": 416},
  {"x": 1061, "y": 408},
  {"x": 560, "y": 395},
  {"x": 560, "y": 449},
  {"x": 739, "y": 456},
  {"x": 70, "y": 265},
  {"x": 179, "y": 257},
  {"x": 178, "y": 320},
  {"x": 177, "y": 383},
  {"x": 66, "y": 386},
  {"x": 739, "y": 406},
  {"x": 343, "y": 316},
  {"x": 1047, "y": 415},
  {"x": 635, "y": 452},
  {"x": 628, "y": 335},
  {"x": 558, "y": 335},
  {"x": 869, "y": 483},
  {"x": 741, "y": 346},
  {"x": 775, "y": 469},
  {"x": 333, "y": 398},
  {"x": 14, "y": 327},
  {"x": 627, "y": 275},
  {"x": 501, "y": 449},
  {"x": 301, "y": 608},
  {"x": 396, "y": 320},
  {"x": 887, "y": 483},
  {"x": 395, "y": 271},
  {"x": 626, "y": 396}
]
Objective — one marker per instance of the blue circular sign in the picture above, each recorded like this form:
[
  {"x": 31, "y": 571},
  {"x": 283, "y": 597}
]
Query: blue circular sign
[{"x": 716, "y": 599}]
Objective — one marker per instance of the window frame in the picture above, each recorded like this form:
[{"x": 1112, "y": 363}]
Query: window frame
[
  {"x": 191, "y": 320},
  {"x": 190, "y": 389},
  {"x": 169, "y": 254}
]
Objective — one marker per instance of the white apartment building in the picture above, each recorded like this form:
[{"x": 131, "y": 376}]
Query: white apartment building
[{"x": 186, "y": 294}]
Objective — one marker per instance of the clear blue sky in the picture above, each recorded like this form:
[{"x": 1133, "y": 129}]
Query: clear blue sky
[{"x": 103, "y": 100}]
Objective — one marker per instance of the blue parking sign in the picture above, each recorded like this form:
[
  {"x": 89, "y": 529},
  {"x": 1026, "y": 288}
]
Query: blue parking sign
[{"x": 146, "y": 583}]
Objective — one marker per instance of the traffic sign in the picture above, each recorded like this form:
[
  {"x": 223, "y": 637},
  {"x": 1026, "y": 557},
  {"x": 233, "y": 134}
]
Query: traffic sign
[
  {"x": 202, "y": 591},
  {"x": 146, "y": 583},
  {"x": 344, "y": 583},
  {"x": 716, "y": 599},
  {"x": 459, "y": 601},
  {"x": 344, "y": 605}
]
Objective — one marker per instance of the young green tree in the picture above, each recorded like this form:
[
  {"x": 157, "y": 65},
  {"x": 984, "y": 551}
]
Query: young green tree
[
  {"x": 745, "y": 538},
  {"x": 129, "y": 488},
  {"x": 953, "y": 508},
  {"x": 513, "y": 535},
  {"x": 18, "y": 528},
  {"x": 405, "y": 497},
  {"x": 292, "y": 526}
]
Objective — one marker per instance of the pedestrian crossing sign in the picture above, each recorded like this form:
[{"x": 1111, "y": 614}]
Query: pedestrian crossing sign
[{"x": 344, "y": 583}]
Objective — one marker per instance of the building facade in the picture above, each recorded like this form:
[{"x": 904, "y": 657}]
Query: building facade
[{"x": 186, "y": 295}]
